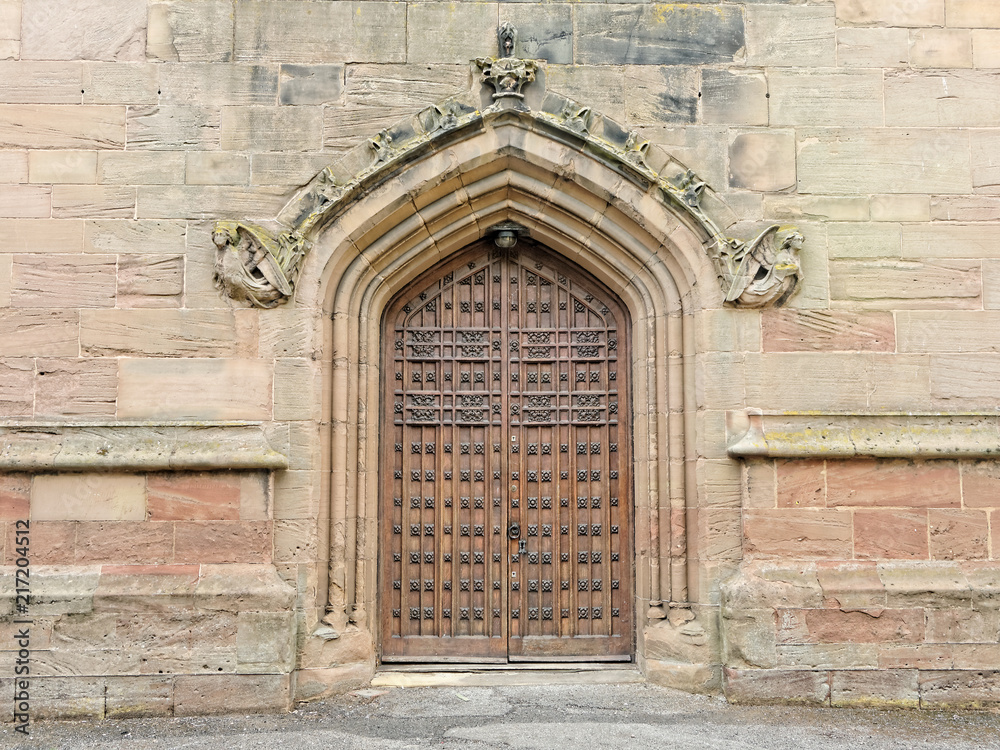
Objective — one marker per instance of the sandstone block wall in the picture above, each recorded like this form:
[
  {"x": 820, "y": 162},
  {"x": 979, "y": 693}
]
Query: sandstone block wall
[
  {"x": 151, "y": 593},
  {"x": 127, "y": 127}
]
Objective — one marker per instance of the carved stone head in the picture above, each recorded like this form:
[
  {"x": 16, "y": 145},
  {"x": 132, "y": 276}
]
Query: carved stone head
[{"x": 786, "y": 261}]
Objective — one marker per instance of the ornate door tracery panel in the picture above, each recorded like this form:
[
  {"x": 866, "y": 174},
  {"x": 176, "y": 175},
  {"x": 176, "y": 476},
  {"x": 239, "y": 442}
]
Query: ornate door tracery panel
[{"x": 506, "y": 529}]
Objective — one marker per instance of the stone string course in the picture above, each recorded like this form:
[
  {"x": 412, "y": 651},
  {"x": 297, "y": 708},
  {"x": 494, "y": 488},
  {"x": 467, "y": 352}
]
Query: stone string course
[{"x": 129, "y": 127}]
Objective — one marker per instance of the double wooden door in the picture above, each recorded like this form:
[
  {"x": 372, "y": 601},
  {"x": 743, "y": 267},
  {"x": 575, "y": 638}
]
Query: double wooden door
[{"x": 506, "y": 528}]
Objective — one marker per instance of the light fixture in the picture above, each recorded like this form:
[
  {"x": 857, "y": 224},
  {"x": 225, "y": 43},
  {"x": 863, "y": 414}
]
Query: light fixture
[
  {"x": 506, "y": 239},
  {"x": 506, "y": 234}
]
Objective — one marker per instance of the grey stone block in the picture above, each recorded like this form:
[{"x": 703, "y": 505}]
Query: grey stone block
[
  {"x": 788, "y": 36},
  {"x": 173, "y": 127},
  {"x": 305, "y": 32},
  {"x": 131, "y": 697},
  {"x": 190, "y": 31},
  {"x": 655, "y": 95},
  {"x": 545, "y": 32},
  {"x": 272, "y": 129},
  {"x": 311, "y": 84},
  {"x": 213, "y": 83},
  {"x": 658, "y": 35},
  {"x": 83, "y": 30},
  {"x": 733, "y": 98},
  {"x": 762, "y": 160},
  {"x": 601, "y": 87},
  {"x": 450, "y": 32}
]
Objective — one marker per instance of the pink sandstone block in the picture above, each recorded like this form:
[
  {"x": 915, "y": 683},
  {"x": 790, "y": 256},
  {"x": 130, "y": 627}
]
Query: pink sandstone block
[
  {"x": 223, "y": 542},
  {"x": 15, "y": 493},
  {"x": 901, "y": 484},
  {"x": 124, "y": 542},
  {"x": 798, "y": 534},
  {"x": 193, "y": 497},
  {"x": 207, "y": 694},
  {"x": 981, "y": 484},
  {"x": 809, "y": 687},
  {"x": 851, "y": 585},
  {"x": 860, "y": 626},
  {"x": 52, "y": 543},
  {"x": 895, "y": 688},
  {"x": 827, "y": 330},
  {"x": 801, "y": 484},
  {"x": 917, "y": 656},
  {"x": 887, "y": 534},
  {"x": 958, "y": 534}
]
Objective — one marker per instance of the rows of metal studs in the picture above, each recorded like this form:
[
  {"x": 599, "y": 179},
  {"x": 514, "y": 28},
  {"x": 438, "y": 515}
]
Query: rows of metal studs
[
  {"x": 532, "y": 377},
  {"x": 584, "y": 584},
  {"x": 479, "y": 279},
  {"x": 480, "y": 448},
  {"x": 480, "y": 530},
  {"x": 531, "y": 475},
  {"x": 480, "y": 502},
  {"x": 481, "y": 306},
  {"x": 582, "y": 613}
]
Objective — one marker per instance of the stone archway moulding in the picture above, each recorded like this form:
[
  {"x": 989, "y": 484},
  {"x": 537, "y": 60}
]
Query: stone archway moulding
[
  {"x": 578, "y": 183},
  {"x": 261, "y": 268}
]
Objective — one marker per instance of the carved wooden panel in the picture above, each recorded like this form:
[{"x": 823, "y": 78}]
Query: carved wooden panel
[{"x": 506, "y": 508}]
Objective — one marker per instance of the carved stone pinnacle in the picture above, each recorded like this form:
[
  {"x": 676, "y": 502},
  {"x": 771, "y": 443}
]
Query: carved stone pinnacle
[
  {"x": 507, "y": 74},
  {"x": 507, "y": 38}
]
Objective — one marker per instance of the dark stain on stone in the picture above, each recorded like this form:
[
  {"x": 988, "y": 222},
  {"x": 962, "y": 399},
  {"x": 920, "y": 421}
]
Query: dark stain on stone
[
  {"x": 683, "y": 108},
  {"x": 659, "y": 35}
]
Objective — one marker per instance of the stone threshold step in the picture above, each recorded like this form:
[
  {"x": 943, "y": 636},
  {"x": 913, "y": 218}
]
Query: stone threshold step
[{"x": 494, "y": 675}]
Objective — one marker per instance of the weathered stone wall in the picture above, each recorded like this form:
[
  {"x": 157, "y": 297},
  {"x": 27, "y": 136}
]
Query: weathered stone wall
[
  {"x": 892, "y": 571},
  {"x": 127, "y": 127}
]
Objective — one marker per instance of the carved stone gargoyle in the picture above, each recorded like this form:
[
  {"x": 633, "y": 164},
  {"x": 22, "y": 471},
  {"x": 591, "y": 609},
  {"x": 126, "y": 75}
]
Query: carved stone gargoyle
[
  {"x": 764, "y": 270},
  {"x": 753, "y": 273},
  {"x": 252, "y": 266}
]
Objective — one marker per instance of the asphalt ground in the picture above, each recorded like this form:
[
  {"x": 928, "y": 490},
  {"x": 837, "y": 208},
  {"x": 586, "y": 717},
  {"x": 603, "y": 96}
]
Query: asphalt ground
[{"x": 535, "y": 717}]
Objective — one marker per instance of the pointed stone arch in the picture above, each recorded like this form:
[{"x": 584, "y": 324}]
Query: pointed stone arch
[
  {"x": 578, "y": 183},
  {"x": 577, "y": 207}
]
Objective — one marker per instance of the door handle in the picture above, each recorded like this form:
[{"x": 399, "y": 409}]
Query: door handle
[{"x": 514, "y": 531}]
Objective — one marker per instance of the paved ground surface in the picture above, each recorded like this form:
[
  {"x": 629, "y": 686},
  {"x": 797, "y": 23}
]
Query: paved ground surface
[{"x": 581, "y": 717}]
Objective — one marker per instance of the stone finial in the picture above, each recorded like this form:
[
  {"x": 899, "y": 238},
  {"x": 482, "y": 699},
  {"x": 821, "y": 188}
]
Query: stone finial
[
  {"x": 636, "y": 148},
  {"x": 382, "y": 146},
  {"x": 507, "y": 38},
  {"x": 506, "y": 73}
]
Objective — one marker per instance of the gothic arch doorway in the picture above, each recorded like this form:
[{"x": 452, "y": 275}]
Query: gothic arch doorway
[{"x": 506, "y": 513}]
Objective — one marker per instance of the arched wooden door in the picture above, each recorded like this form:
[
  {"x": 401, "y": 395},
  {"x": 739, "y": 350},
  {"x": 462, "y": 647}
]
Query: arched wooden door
[{"x": 506, "y": 509}]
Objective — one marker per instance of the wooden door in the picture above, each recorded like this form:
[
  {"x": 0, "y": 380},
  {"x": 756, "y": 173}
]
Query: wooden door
[{"x": 506, "y": 529}]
